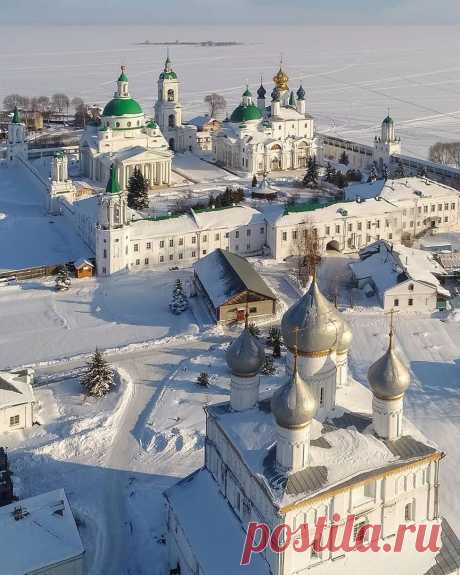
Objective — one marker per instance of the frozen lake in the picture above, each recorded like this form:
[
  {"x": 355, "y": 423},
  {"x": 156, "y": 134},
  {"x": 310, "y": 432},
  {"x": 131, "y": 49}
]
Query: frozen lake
[{"x": 352, "y": 74}]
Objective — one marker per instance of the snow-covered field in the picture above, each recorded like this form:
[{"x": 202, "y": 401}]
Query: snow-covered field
[
  {"x": 351, "y": 74},
  {"x": 40, "y": 324},
  {"x": 23, "y": 220}
]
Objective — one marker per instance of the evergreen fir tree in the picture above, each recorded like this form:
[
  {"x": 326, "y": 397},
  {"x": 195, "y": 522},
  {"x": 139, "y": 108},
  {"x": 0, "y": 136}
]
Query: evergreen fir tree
[
  {"x": 277, "y": 348},
  {"x": 63, "y": 279},
  {"x": 310, "y": 179},
  {"x": 372, "y": 175},
  {"x": 254, "y": 330},
  {"x": 344, "y": 159},
  {"x": 179, "y": 301},
  {"x": 254, "y": 181},
  {"x": 203, "y": 379},
  {"x": 98, "y": 378},
  {"x": 330, "y": 173},
  {"x": 268, "y": 367},
  {"x": 138, "y": 191},
  {"x": 385, "y": 172}
]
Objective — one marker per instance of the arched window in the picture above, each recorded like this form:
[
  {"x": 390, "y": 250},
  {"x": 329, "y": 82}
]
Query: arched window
[
  {"x": 411, "y": 287},
  {"x": 129, "y": 124},
  {"x": 171, "y": 121},
  {"x": 170, "y": 95},
  {"x": 117, "y": 124}
]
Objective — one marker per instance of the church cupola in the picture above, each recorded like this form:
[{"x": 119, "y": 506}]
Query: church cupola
[
  {"x": 16, "y": 116},
  {"x": 245, "y": 357},
  {"x": 276, "y": 102},
  {"x": 247, "y": 97},
  {"x": 388, "y": 130},
  {"x": 261, "y": 93},
  {"x": 313, "y": 327},
  {"x": 389, "y": 379},
  {"x": 293, "y": 406},
  {"x": 343, "y": 347},
  {"x": 301, "y": 108},
  {"x": 122, "y": 83},
  {"x": 17, "y": 141}
]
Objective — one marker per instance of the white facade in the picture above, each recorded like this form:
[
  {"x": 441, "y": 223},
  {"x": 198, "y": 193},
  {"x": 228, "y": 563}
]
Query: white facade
[
  {"x": 16, "y": 400},
  {"x": 258, "y": 139},
  {"x": 126, "y": 140},
  {"x": 16, "y": 144}
]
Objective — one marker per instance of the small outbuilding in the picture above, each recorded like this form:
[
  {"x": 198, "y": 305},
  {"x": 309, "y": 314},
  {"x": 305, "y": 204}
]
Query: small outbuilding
[
  {"x": 229, "y": 284},
  {"x": 39, "y": 536},
  {"x": 16, "y": 400},
  {"x": 83, "y": 269}
]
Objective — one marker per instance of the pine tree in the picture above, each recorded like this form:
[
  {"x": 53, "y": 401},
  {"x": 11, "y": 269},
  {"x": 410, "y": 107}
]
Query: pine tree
[
  {"x": 268, "y": 367},
  {"x": 254, "y": 181},
  {"x": 277, "y": 348},
  {"x": 330, "y": 173},
  {"x": 310, "y": 179},
  {"x": 254, "y": 330},
  {"x": 203, "y": 379},
  {"x": 138, "y": 191},
  {"x": 98, "y": 378},
  {"x": 63, "y": 279},
  {"x": 344, "y": 159},
  {"x": 179, "y": 301}
]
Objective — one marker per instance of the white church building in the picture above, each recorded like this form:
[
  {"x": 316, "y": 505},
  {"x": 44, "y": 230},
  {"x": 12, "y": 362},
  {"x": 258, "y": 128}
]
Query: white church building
[
  {"x": 259, "y": 139},
  {"x": 127, "y": 140},
  {"x": 320, "y": 447}
]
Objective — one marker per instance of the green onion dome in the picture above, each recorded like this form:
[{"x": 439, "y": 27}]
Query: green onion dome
[
  {"x": 122, "y": 107},
  {"x": 246, "y": 113}
]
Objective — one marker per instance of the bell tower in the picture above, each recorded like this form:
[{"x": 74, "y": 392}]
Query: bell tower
[{"x": 168, "y": 109}]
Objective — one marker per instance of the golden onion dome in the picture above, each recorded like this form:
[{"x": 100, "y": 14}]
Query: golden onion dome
[{"x": 281, "y": 80}]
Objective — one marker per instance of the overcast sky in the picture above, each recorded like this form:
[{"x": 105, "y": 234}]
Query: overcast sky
[{"x": 151, "y": 12}]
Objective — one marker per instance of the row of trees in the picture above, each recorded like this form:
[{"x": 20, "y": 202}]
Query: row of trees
[
  {"x": 447, "y": 153},
  {"x": 56, "y": 104},
  {"x": 228, "y": 198}
]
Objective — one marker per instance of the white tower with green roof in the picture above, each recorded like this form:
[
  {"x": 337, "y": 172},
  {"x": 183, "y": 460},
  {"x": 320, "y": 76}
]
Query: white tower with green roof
[
  {"x": 168, "y": 109},
  {"x": 17, "y": 144},
  {"x": 112, "y": 229}
]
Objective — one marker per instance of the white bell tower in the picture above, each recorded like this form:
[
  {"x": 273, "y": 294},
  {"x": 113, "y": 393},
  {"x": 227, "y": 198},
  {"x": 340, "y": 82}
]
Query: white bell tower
[
  {"x": 112, "y": 229},
  {"x": 17, "y": 144},
  {"x": 168, "y": 109},
  {"x": 60, "y": 182}
]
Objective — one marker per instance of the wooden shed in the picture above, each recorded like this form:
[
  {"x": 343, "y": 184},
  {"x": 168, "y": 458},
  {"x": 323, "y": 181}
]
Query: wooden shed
[
  {"x": 83, "y": 269},
  {"x": 229, "y": 284}
]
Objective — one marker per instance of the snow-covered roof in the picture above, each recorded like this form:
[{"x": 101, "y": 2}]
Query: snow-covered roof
[
  {"x": 200, "y": 121},
  {"x": 224, "y": 275},
  {"x": 389, "y": 264},
  {"x": 82, "y": 262},
  {"x": 450, "y": 262},
  {"x": 343, "y": 449},
  {"x": 210, "y": 527},
  {"x": 228, "y": 217},
  {"x": 15, "y": 389},
  {"x": 42, "y": 534},
  {"x": 402, "y": 190}
]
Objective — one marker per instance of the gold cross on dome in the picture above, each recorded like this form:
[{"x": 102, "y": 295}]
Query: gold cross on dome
[{"x": 392, "y": 313}]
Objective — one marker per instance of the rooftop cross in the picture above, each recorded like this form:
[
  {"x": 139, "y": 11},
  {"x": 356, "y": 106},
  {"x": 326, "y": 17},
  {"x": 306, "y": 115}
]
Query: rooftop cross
[{"x": 392, "y": 313}]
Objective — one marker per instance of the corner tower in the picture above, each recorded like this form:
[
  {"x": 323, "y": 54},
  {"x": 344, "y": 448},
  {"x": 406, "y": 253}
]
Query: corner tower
[{"x": 112, "y": 229}]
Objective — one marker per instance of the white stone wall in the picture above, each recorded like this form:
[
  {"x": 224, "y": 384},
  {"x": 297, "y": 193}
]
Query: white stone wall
[
  {"x": 23, "y": 410},
  {"x": 410, "y": 296}
]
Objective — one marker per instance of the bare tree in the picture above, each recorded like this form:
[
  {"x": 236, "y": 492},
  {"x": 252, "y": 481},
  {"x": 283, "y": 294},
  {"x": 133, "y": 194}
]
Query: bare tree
[
  {"x": 60, "y": 102},
  {"x": 77, "y": 103},
  {"x": 447, "y": 153},
  {"x": 13, "y": 100},
  {"x": 306, "y": 250},
  {"x": 216, "y": 103}
]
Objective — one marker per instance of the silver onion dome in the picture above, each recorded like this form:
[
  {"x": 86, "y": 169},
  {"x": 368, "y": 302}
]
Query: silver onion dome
[
  {"x": 345, "y": 336},
  {"x": 294, "y": 405},
  {"x": 312, "y": 323},
  {"x": 388, "y": 377},
  {"x": 246, "y": 355}
]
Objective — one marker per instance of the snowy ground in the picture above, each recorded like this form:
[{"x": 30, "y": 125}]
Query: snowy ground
[
  {"x": 199, "y": 171},
  {"x": 352, "y": 75},
  {"x": 40, "y": 324},
  {"x": 23, "y": 219}
]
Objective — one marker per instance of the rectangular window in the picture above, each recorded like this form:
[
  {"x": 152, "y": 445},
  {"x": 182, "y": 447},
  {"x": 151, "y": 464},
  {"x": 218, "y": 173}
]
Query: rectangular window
[
  {"x": 252, "y": 310},
  {"x": 193, "y": 239},
  {"x": 14, "y": 420},
  {"x": 181, "y": 241},
  {"x": 390, "y": 236},
  {"x": 105, "y": 253},
  {"x": 360, "y": 226},
  {"x": 171, "y": 257},
  {"x": 204, "y": 252},
  {"x": 350, "y": 227},
  {"x": 146, "y": 261},
  {"x": 248, "y": 233},
  {"x": 337, "y": 229},
  {"x": 162, "y": 259},
  {"x": 446, "y": 206},
  {"x": 396, "y": 302},
  {"x": 328, "y": 230},
  {"x": 411, "y": 301},
  {"x": 193, "y": 254},
  {"x": 136, "y": 247},
  {"x": 294, "y": 235},
  {"x": 439, "y": 207},
  {"x": 181, "y": 256},
  {"x": 171, "y": 243},
  {"x": 262, "y": 230},
  {"x": 237, "y": 234},
  {"x": 227, "y": 235},
  {"x": 205, "y": 239},
  {"x": 433, "y": 208},
  {"x": 138, "y": 262},
  {"x": 446, "y": 218},
  {"x": 425, "y": 209},
  {"x": 148, "y": 245},
  {"x": 452, "y": 206},
  {"x": 368, "y": 225},
  {"x": 284, "y": 236},
  {"x": 377, "y": 224},
  {"x": 162, "y": 244},
  {"x": 409, "y": 514}
]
